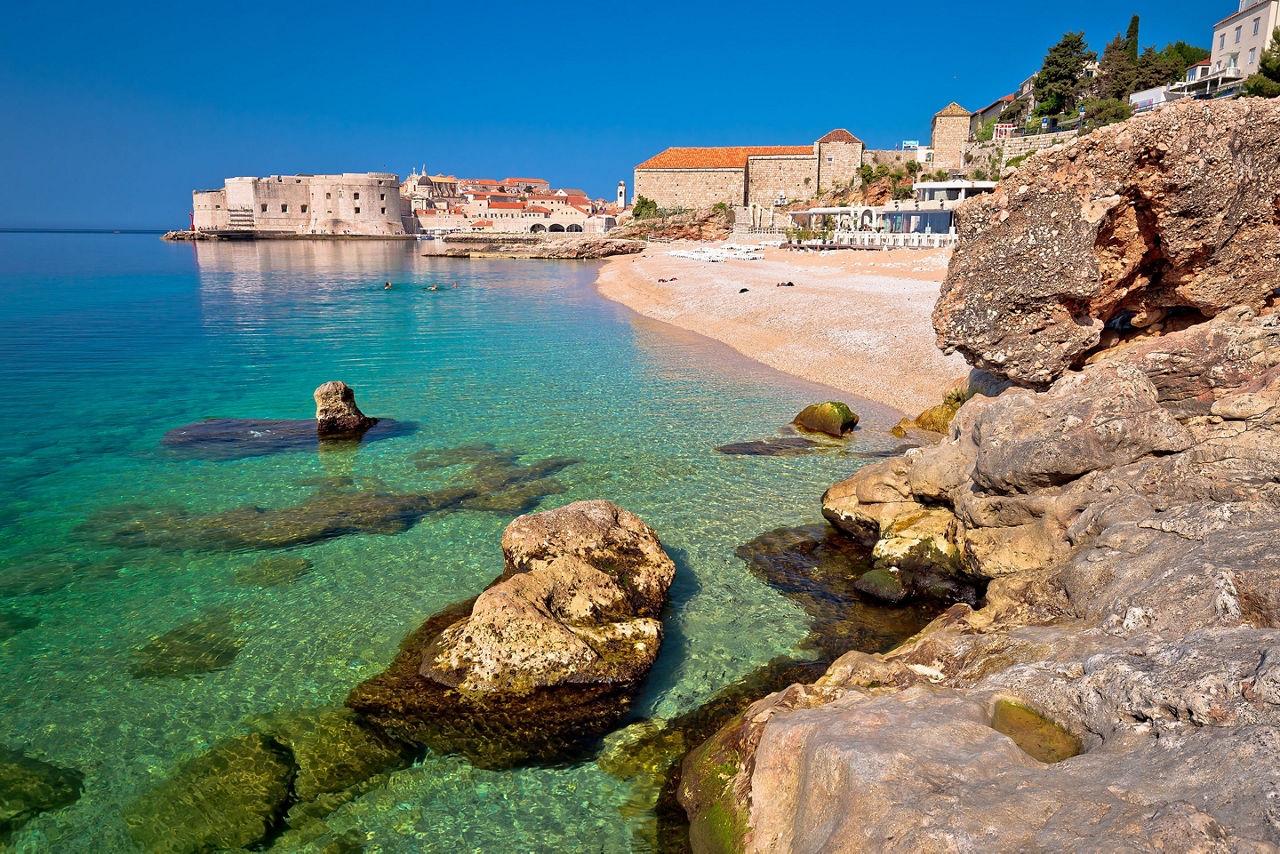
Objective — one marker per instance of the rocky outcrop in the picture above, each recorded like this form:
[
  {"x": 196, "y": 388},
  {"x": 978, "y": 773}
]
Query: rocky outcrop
[
  {"x": 833, "y": 418},
  {"x": 548, "y": 656},
  {"x": 1135, "y": 229},
  {"x": 337, "y": 413},
  {"x": 578, "y": 247},
  {"x": 1124, "y": 517},
  {"x": 701, "y": 224}
]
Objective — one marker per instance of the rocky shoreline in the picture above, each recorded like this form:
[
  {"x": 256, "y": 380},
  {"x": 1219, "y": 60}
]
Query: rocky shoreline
[
  {"x": 534, "y": 246},
  {"x": 1119, "y": 685}
]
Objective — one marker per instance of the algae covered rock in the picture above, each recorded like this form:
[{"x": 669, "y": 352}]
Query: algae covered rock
[
  {"x": 230, "y": 797},
  {"x": 29, "y": 787},
  {"x": 334, "y": 749},
  {"x": 204, "y": 645},
  {"x": 833, "y": 418},
  {"x": 546, "y": 658}
]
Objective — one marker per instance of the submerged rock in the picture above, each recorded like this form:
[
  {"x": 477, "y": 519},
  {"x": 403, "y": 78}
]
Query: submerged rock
[
  {"x": 548, "y": 657},
  {"x": 225, "y": 439},
  {"x": 201, "y": 646},
  {"x": 29, "y": 787},
  {"x": 230, "y": 797},
  {"x": 500, "y": 485},
  {"x": 13, "y": 622},
  {"x": 833, "y": 418},
  {"x": 337, "y": 413}
]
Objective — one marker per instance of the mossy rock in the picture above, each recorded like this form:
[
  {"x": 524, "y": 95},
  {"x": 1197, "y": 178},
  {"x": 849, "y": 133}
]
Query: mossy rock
[
  {"x": 201, "y": 646},
  {"x": 333, "y": 750},
  {"x": 938, "y": 418},
  {"x": 274, "y": 571},
  {"x": 230, "y": 797},
  {"x": 29, "y": 787},
  {"x": 833, "y": 418},
  {"x": 881, "y": 584}
]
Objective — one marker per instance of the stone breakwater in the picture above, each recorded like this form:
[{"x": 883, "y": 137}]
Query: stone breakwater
[
  {"x": 523, "y": 246},
  {"x": 1123, "y": 510}
]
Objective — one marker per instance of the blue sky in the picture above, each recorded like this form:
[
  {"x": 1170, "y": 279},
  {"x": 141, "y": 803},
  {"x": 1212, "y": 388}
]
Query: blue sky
[{"x": 113, "y": 113}]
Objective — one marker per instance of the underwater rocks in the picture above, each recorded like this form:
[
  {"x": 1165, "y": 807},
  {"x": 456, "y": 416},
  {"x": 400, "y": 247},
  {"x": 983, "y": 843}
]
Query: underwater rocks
[
  {"x": 495, "y": 483},
  {"x": 226, "y": 439},
  {"x": 29, "y": 787},
  {"x": 337, "y": 413},
  {"x": 548, "y": 657},
  {"x": 1131, "y": 231},
  {"x": 833, "y": 418},
  {"x": 274, "y": 571},
  {"x": 201, "y": 646},
  {"x": 13, "y": 622},
  {"x": 272, "y": 785}
]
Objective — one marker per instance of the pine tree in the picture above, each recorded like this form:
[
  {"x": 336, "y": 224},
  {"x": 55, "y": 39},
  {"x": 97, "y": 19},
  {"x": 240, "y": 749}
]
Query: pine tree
[
  {"x": 1154, "y": 69},
  {"x": 1058, "y": 83},
  {"x": 1131, "y": 39},
  {"x": 1266, "y": 82},
  {"x": 1116, "y": 70}
]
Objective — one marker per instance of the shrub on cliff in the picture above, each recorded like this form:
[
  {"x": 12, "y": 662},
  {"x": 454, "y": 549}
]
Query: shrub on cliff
[{"x": 644, "y": 208}]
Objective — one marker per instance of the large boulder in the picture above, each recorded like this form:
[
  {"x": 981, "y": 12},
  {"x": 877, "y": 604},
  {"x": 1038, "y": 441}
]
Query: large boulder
[
  {"x": 337, "y": 413},
  {"x": 1142, "y": 226},
  {"x": 29, "y": 787},
  {"x": 546, "y": 658},
  {"x": 833, "y": 418}
]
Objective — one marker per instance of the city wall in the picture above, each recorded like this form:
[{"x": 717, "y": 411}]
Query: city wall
[{"x": 691, "y": 188}]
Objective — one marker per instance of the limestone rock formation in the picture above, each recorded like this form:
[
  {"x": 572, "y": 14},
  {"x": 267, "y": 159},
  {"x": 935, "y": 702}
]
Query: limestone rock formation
[
  {"x": 337, "y": 413},
  {"x": 1135, "y": 229},
  {"x": 576, "y": 247},
  {"x": 833, "y": 418},
  {"x": 1124, "y": 516},
  {"x": 548, "y": 656}
]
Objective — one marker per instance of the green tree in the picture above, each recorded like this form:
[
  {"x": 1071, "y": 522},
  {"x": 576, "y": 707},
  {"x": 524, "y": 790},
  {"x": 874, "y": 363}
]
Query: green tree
[
  {"x": 1184, "y": 55},
  {"x": 1058, "y": 83},
  {"x": 986, "y": 132},
  {"x": 1116, "y": 70},
  {"x": 913, "y": 167},
  {"x": 1154, "y": 69},
  {"x": 1131, "y": 39},
  {"x": 1266, "y": 82},
  {"x": 644, "y": 208},
  {"x": 1013, "y": 114},
  {"x": 1104, "y": 111}
]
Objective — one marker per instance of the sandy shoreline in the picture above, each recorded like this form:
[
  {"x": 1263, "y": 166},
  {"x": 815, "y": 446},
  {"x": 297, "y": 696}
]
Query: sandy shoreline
[{"x": 857, "y": 321}]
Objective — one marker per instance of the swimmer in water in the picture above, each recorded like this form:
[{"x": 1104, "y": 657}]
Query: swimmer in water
[{"x": 387, "y": 286}]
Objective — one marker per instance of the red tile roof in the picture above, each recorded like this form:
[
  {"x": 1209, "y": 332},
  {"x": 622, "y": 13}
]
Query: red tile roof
[
  {"x": 538, "y": 209},
  {"x": 839, "y": 135},
  {"x": 519, "y": 206},
  {"x": 481, "y": 223},
  {"x": 732, "y": 157}
]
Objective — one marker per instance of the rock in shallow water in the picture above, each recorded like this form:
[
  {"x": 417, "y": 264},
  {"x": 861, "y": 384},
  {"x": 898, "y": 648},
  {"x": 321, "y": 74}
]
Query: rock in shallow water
[
  {"x": 225, "y": 439},
  {"x": 29, "y": 787},
  {"x": 548, "y": 657},
  {"x": 201, "y": 646},
  {"x": 833, "y": 418},
  {"x": 337, "y": 413}
]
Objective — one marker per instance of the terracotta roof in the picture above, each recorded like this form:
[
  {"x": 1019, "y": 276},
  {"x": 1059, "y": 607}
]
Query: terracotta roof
[
  {"x": 573, "y": 193},
  {"x": 839, "y": 135},
  {"x": 506, "y": 205},
  {"x": 1197, "y": 64},
  {"x": 538, "y": 209},
  {"x": 733, "y": 157},
  {"x": 952, "y": 109},
  {"x": 1241, "y": 12},
  {"x": 524, "y": 181},
  {"x": 482, "y": 223}
]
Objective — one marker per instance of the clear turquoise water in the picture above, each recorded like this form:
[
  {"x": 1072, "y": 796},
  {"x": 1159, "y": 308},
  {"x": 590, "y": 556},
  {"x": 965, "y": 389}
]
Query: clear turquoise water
[{"x": 107, "y": 341}]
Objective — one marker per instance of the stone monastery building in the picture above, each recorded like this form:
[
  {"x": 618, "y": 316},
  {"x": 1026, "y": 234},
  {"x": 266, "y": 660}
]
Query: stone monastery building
[{"x": 742, "y": 175}]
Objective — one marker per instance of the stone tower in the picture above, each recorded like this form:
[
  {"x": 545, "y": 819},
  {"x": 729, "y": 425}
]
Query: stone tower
[
  {"x": 950, "y": 133},
  {"x": 622, "y": 194}
]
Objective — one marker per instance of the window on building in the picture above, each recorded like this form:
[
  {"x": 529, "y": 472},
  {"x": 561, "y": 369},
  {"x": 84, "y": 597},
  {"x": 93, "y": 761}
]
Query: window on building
[
  {"x": 1253, "y": 55},
  {"x": 1222, "y": 40},
  {"x": 1257, "y": 22},
  {"x": 328, "y": 195},
  {"x": 355, "y": 195},
  {"x": 284, "y": 209},
  {"x": 384, "y": 210},
  {"x": 357, "y": 210},
  {"x": 1238, "y": 29},
  {"x": 264, "y": 208},
  {"x": 382, "y": 197},
  {"x": 829, "y": 159},
  {"x": 304, "y": 208}
]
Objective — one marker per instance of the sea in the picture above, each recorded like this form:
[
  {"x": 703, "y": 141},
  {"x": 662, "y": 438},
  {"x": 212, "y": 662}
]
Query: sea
[{"x": 108, "y": 342}]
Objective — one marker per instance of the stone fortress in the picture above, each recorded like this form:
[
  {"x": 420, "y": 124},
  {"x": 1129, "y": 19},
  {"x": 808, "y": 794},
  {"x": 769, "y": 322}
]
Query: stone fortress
[
  {"x": 353, "y": 203},
  {"x": 378, "y": 204}
]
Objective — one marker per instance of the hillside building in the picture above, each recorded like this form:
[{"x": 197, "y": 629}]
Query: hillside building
[
  {"x": 1239, "y": 40},
  {"x": 744, "y": 175}
]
